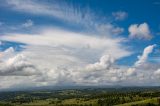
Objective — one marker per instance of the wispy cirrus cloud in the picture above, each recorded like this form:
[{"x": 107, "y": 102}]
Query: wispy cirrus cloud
[
  {"x": 66, "y": 13},
  {"x": 120, "y": 15},
  {"x": 17, "y": 27},
  {"x": 28, "y": 23}
]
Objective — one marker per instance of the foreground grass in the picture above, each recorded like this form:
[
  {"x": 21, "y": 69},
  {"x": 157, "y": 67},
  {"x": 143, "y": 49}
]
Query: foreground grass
[
  {"x": 52, "y": 102},
  {"x": 153, "y": 101},
  {"x": 83, "y": 97},
  {"x": 83, "y": 102}
]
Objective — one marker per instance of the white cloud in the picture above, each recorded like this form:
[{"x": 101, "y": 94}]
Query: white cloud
[
  {"x": 60, "y": 57},
  {"x": 10, "y": 50},
  {"x": 17, "y": 66},
  {"x": 7, "y": 53},
  {"x": 13, "y": 64},
  {"x": 72, "y": 40},
  {"x": 143, "y": 70},
  {"x": 141, "y": 31},
  {"x": 109, "y": 29},
  {"x": 59, "y": 65},
  {"x": 131, "y": 71},
  {"x": 120, "y": 15},
  {"x": 99, "y": 73},
  {"x": 28, "y": 23},
  {"x": 105, "y": 62},
  {"x": 157, "y": 74},
  {"x": 142, "y": 59}
]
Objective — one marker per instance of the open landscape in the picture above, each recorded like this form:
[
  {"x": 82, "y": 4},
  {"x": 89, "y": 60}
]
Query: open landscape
[
  {"x": 117, "y": 96},
  {"x": 79, "y": 52}
]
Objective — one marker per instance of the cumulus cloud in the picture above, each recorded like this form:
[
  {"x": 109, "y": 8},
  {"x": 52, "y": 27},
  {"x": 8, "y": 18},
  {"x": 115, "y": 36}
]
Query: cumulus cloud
[
  {"x": 10, "y": 50},
  {"x": 101, "y": 72},
  {"x": 120, "y": 15},
  {"x": 28, "y": 23},
  {"x": 62, "y": 60},
  {"x": 68, "y": 69},
  {"x": 142, "y": 59},
  {"x": 12, "y": 64},
  {"x": 7, "y": 53},
  {"x": 141, "y": 64},
  {"x": 17, "y": 66},
  {"x": 143, "y": 70},
  {"x": 131, "y": 71},
  {"x": 140, "y": 31},
  {"x": 105, "y": 62}
]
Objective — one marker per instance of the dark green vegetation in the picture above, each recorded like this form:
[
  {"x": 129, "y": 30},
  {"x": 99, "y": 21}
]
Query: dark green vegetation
[{"x": 128, "y": 96}]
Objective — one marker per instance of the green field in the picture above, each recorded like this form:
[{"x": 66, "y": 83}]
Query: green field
[
  {"x": 83, "y": 97},
  {"x": 153, "y": 101}
]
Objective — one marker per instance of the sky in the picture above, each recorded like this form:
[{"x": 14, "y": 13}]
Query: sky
[{"x": 79, "y": 43}]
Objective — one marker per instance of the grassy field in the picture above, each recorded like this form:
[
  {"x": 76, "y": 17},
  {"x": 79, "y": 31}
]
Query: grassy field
[
  {"x": 83, "y": 97},
  {"x": 82, "y": 102},
  {"x": 143, "y": 102}
]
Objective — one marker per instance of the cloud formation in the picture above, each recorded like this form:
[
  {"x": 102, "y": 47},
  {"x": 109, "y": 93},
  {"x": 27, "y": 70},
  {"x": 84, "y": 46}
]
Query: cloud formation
[
  {"x": 12, "y": 64},
  {"x": 16, "y": 66},
  {"x": 65, "y": 12},
  {"x": 37, "y": 68},
  {"x": 28, "y": 23},
  {"x": 56, "y": 37},
  {"x": 83, "y": 18},
  {"x": 69, "y": 52},
  {"x": 141, "y": 66},
  {"x": 157, "y": 74},
  {"x": 120, "y": 15},
  {"x": 140, "y": 31},
  {"x": 105, "y": 62},
  {"x": 52, "y": 56},
  {"x": 142, "y": 59}
]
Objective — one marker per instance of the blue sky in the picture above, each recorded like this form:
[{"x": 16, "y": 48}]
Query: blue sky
[{"x": 70, "y": 42}]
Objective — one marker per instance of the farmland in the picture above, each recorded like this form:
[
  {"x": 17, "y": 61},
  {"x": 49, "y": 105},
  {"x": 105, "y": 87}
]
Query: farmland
[{"x": 123, "y": 96}]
